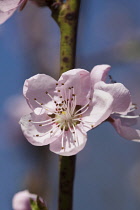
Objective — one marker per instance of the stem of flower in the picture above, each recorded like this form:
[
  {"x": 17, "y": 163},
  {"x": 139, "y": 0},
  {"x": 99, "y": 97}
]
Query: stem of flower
[
  {"x": 67, "y": 18},
  {"x": 66, "y": 180}
]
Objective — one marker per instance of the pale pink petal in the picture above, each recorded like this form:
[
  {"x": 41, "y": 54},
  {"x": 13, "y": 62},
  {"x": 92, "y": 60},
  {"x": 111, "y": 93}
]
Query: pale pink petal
[
  {"x": 120, "y": 94},
  {"x": 126, "y": 120},
  {"x": 7, "y": 8},
  {"x": 21, "y": 200},
  {"x": 99, "y": 73},
  {"x": 6, "y": 5},
  {"x": 99, "y": 110},
  {"x": 5, "y": 15},
  {"x": 36, "y": 87},
  {"x": 71, "y": 145},
  {"x": 126, "y": 131},
  {"x": 36, "y": 134},
  {"x": 79, "y": 79}
]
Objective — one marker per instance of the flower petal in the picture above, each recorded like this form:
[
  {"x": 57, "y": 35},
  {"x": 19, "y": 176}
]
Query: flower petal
[
  {"x": 128, "y": 120},
  {"x": 36, "y": 87},
  {"x": 38, "y": 135},
  {"x": 5, "y": 15},
  {"x": 70, "y": 146},
  {"x": 21, "y": 200},
  {"x": 125, "y": 131},
  {"x": 120, "y": 94},
  {"x": 79, "y": 79},
  {"x": 99, "y": 73},
  {"x": 7, "y": 5},
  {"x": 99, "y": 109}
]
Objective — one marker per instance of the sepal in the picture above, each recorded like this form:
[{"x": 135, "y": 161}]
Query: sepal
[{"x": 38, "y": 204}]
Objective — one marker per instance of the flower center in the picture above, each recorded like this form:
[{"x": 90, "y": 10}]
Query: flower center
[
  {"x": 66, "y": 115},
  {"x": 66, "y": 120}
]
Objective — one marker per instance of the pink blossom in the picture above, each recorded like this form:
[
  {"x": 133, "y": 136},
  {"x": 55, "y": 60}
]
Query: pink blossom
[
  {"x": 64, "y": 111},
  {"x": 123, "y": 116},
  {"x": 21, "y": 200},
  {"x": 124, "y": 124},
  {"x": 8, "y": 7}
]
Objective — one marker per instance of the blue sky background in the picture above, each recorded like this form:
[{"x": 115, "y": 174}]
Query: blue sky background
[{"x": 108, "y": 169}]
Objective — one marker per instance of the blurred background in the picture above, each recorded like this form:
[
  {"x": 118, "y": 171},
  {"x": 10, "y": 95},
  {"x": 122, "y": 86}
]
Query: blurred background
[{"x": 108, "y": 169}]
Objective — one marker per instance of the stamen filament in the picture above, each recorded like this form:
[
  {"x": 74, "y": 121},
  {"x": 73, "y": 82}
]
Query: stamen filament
[
  {"x": 50, "y": 131},
  {"x": 74, "y": 102},
  {"x": 130, "y": 116},
  {"x": 49, "y": 95},
  {"x": 75, "y": 135},
  {"x": 47, "y": 123},
  {"x": 62, "y": 140},
  {"x": 41, "y": 121},
  {"x": 82, "y": 108},
  {"x": 43, "y": 106},
  {"x": 70, "y": 128},
  {"x": 81, "y": 112}
]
